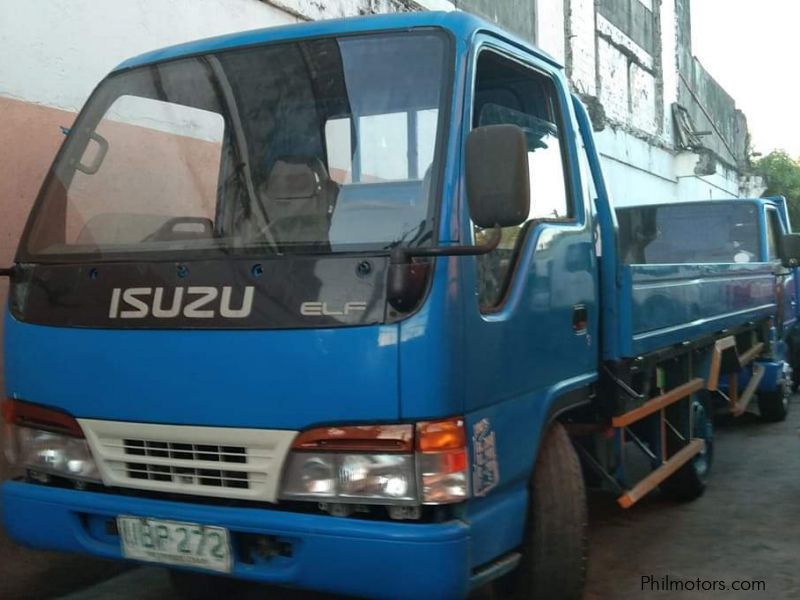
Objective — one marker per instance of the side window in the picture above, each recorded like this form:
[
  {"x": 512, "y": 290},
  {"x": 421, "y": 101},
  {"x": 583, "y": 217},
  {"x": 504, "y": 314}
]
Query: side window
[
  {"x": 507, "y": 92},
  {"x": 773, "y": 234}
]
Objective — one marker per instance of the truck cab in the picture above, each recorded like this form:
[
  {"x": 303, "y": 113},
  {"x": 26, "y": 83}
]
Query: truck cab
[{"x": 201, "y": 305}]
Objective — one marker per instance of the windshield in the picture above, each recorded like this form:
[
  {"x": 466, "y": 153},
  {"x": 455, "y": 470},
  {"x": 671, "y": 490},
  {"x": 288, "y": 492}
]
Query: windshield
[
  {"x": 319, "y": 146},
  {"x": 689, "y": 233}
]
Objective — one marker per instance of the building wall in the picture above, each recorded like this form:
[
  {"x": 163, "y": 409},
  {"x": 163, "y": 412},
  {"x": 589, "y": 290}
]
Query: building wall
[{"x": 632, "y": 63}]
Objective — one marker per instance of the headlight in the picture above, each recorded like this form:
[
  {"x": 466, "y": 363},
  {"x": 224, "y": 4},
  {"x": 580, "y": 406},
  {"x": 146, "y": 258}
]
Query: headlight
[
  {"x": 380, "y": 464},
  {"x": 47, "y": 441},
  {"x": 362, "y": 478},
  {"x": 55, "y": 453}
]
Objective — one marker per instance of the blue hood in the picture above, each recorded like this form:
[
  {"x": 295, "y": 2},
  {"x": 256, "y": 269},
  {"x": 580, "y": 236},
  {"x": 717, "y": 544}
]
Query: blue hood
[{"x": 287, "y": 379}]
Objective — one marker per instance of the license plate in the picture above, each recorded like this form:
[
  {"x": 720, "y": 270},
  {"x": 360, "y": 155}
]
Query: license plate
[{"x": 175, "y": 543}]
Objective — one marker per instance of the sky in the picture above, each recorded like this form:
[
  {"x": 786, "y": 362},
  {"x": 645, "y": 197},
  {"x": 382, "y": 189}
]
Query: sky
[{"x": 752, "y": 48}]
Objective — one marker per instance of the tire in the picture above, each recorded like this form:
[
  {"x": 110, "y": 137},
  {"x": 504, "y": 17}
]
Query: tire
[
  {"x": 774, "y": 406},
  {"x": 689, "y": 482},
  {"x": 189, "y": 585},
  {"x": 554, "y": 551}
]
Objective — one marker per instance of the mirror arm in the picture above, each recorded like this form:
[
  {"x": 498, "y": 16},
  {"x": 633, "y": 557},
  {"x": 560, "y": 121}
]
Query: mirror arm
[
  {"x": 401, "y": 255},
  {"x": 7, "y": 272}
]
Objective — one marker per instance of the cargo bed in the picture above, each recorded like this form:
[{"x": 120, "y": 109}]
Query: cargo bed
[{"x": 663, "y": 305}]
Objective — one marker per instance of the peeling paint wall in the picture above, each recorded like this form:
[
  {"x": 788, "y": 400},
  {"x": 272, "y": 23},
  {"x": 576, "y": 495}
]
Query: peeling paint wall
[
  {"x": 582, "y": 50},
  {"x": 632, "y": 63},
  {"x": 628, "y": 74}
]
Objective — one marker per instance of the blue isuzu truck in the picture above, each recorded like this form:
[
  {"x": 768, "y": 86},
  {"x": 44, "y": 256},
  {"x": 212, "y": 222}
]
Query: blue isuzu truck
[{"x": 341, "y": 306}]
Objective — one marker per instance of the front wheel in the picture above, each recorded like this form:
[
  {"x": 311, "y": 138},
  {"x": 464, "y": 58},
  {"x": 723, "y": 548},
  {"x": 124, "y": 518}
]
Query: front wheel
[{"x": 554, "y": 551}]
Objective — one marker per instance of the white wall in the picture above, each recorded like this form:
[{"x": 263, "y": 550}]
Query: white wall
[
  {"x": 550, "y": 33},
  {"x": 638, "y": 172},
  {"x": 56, "y": 51}
]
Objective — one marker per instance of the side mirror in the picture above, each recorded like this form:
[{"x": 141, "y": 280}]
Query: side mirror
[
  {"x": 498, "y": 185},
  {"x": 790, "y": 250}
]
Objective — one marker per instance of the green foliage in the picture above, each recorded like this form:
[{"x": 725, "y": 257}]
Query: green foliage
[{"x": 782, "y": 174}]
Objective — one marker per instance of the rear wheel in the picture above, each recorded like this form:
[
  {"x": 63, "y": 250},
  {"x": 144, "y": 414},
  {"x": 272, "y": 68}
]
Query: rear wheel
[
  {"x": 554, "y": 551},
  {"x": 689, "y": 482},
  {"x": 774, "y": 406}
]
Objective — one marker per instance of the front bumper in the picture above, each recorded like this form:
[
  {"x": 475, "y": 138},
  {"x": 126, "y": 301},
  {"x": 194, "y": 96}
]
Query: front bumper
[{"x": 346, "y": 556}]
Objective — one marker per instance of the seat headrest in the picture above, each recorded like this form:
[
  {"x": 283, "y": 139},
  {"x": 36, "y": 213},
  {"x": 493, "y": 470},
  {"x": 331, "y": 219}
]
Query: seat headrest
[{"x": 293, "y": 178}]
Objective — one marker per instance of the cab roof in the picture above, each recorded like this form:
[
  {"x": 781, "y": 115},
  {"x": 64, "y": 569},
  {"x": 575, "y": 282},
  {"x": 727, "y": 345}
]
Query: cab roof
[{"x": 462, "y": 25}]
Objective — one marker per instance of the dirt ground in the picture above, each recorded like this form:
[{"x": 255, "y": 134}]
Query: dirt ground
[{"x": 745, "y": 528}]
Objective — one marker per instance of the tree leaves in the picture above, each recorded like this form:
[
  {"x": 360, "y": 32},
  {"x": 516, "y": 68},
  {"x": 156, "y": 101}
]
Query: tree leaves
[{"x": 782, "y": 174}]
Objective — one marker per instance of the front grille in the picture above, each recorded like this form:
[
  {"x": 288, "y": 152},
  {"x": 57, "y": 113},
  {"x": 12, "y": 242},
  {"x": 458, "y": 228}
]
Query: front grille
[
  {"x": 183, "y": 475},
  {"x": 212, "y": 461}
]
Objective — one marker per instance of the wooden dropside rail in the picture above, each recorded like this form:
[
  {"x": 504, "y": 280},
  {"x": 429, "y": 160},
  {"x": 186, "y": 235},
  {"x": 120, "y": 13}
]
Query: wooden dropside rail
[
  {"x": 716, "y": 361},
  {"x": 669, "y": 465},
  {"x": 649, "y": 483},
  {"x": 749, "y": 356},
  {"x": 738, "y": 403},
  {"x": 659, "y": 403}
]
